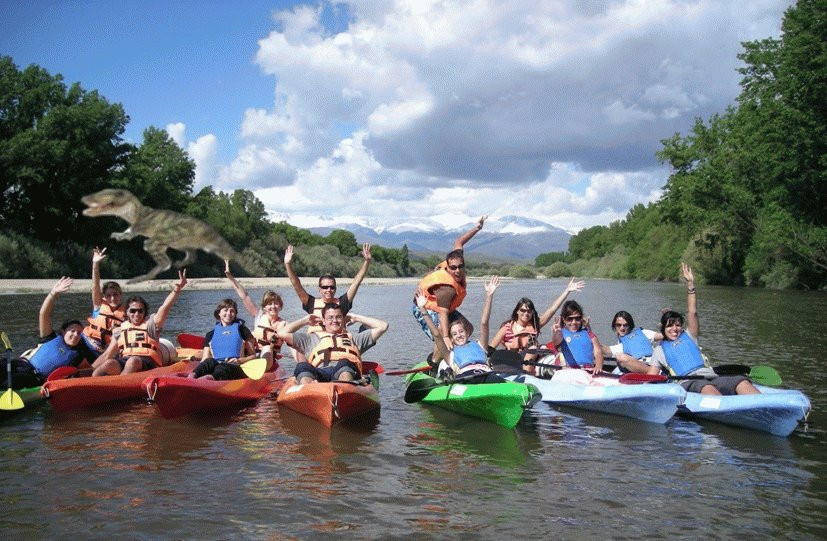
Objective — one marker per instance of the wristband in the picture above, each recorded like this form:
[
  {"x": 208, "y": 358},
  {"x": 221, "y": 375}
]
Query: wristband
[{"x": 690, "y": 290}]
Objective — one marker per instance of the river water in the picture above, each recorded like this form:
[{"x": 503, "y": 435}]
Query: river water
[{"x": 122, "y": 470}]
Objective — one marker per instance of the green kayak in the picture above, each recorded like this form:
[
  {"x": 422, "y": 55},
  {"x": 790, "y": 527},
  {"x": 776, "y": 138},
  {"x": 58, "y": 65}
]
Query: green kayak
[{"x": 500, "y": 403}]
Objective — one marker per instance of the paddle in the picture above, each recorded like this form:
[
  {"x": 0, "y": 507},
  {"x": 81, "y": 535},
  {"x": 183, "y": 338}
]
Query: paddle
[
  {"x": 762, "y": 374},
  {"x": 419, "y": 389},
  {"x": 368, "y": 366},
  {"x": 254, "y": 368},
  {"x": 411, "y": 371},
  {"x": 9, "y": 400},
  {"x": 192, "y": 341}
]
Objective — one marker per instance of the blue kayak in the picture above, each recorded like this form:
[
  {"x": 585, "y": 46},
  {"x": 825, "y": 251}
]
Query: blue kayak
[
  {"x": 652, "y": 403},
  {"x": 777, "y": 411}
]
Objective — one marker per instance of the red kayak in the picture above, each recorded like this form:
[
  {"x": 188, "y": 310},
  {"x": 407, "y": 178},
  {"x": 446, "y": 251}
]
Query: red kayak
[
  {"x": 74, "y": 393},
  {"x": 177, "y": 395}
]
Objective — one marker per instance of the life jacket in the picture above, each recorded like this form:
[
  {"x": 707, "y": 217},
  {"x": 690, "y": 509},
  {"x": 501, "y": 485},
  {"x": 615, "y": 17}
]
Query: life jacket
[
  {"x": 520, "y": 340},
  {"x": 335, "y": 347},
  {"x": 682, "y": 355},
  {"x": 636, "y": 344},
  {"x": 135, "y": 340},
  {"x": 441, "y": 277},
  {"x": 100, "y": 326},
  {"x": 264, "y": 334},
  {"x": 318, "y": 304},
  {"x": 51, "y": 355},
  {"x": 577, "y": 348},
  {"x": 467, "y": 354},
  {"x": 227, "y": 342}
]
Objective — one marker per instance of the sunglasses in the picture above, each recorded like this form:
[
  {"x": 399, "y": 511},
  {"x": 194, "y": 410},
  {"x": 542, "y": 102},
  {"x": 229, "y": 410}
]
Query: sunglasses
[
  {"x": 327, "y": 287},
  {"x": 621, "y": 325},
  {"x": 574, "y": 318},
  {"x": 136, "y": 310},
  {"x": 525, "y": 310},
  {"x": 456, "y": 267}
]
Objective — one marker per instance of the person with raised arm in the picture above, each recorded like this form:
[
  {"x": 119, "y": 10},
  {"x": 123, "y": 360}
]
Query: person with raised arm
[
  {"x": 68, "y": 347},
  {"x": 327, "y": 287},
  {"x": 679, "y": 355},
  {"x": 465, "y": 357},
  {"x": 519, "y": 334},
  {"x": 266, "y": 320},
  {"x": 108, "y": 312},
  {"x": 444, "y": 289},
  {"x": 136, "y": 347},
  {"x": 332, "y": 353},
  {"x": 574, "y": 339}
]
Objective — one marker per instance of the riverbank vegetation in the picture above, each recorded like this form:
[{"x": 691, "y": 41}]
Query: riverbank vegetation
[{"x": 745, "y": 203}]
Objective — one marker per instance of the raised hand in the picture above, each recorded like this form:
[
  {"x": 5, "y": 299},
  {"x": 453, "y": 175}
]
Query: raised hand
[
  {"x": 288, "y": 254},
  {"x": 420, "y": 299},
  {"x": 182, "y": 280},
  {"x": 98, "y": 254},
  {"x": 481, "y": 221},
  {"x": 365, "y": 252},
  {"x": 575, "y": 285},
  {"x": 687, "y": 274},
  {"x": 62, "y": 285},
  {"x": 492, "y": 285}
]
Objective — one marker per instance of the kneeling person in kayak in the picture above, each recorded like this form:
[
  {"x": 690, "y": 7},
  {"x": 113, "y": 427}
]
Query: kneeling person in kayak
[
  {"x": 228, "y": 345},
  {"x": 465, "y": 358},
  {"x": 69, "y": 347},
  {"x": 679, "y": 354},
  {"x": 334, "y": 353}
]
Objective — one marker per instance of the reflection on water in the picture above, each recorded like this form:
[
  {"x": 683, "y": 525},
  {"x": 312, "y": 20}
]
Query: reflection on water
[{"x": 422, "y": 471}]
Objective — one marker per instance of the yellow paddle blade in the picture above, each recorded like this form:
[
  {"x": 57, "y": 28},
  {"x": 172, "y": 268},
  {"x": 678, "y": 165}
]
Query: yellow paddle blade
[
  {"x": 10, "y": 400},
  {"x": 255, "y": 368}
]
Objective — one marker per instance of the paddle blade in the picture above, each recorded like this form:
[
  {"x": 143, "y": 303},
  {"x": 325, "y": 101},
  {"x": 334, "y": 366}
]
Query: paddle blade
[
  {"x": 419, "y": 389},
  {"x": 10, "y": 400},
  {"x": 187, "y": 340},
  {"x": 4, "y": 340},
  {"x": 765, "y": 375},
  {"x": 636, "y": 379},
  {"x": 254, "y": 368},
  {"x": 370, "y": 366},
  {"x": 62, "y": 372}
]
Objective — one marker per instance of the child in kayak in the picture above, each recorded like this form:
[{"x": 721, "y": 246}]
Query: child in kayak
[
  {"x": 227, "y": 346},
  {"x": 465, "y": 358},
  {"x": 572, "y": 336},
  {"x": 679, "y": 354}
]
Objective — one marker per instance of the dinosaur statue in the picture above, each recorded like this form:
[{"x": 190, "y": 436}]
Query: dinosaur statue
[{"x": 162, "y": 228}]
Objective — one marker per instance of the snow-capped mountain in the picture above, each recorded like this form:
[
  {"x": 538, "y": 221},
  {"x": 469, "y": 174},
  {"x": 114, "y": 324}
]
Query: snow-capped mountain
[{"x": 511, "y": 237}]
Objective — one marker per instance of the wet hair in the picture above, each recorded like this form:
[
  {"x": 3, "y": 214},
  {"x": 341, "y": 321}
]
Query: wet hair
[
  {"x": 455, "y": 254},
  {"x": 667, "y": 319},
  {"x": 625, "y": 315},
  {"x": 271, "y": 296},
  {"x": 569, "y": 308},
  {"x": 528, "y": 303},
  {"x": 327, "y": 277},
  {"x": 331, "y": 306},
  {"x": 69, "y": 323},
  {"x": 225, "y": 303},
  {"x": 111, "y": 285},
  {"x": 138, "y": 299}
]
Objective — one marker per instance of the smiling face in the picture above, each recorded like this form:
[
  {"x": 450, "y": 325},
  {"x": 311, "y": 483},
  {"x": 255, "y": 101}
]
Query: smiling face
[
  {"x": 333, "y": 320},
  {"x": 621, "y": 326},
  {"x": 112, "y": 296},
  {"x": 673, "y": 329},
  {"x": 456, "y": 268},
  {"x": 525, "y": 315},
  {"x": 327, "y": 289},
  {"x": 459, "y": 335},
  {"x": 227, "y": 314},
  {"x": 573, "y": 321},
  {"x": 71, "y": 335},
  {"x": 136, "y": 312}
]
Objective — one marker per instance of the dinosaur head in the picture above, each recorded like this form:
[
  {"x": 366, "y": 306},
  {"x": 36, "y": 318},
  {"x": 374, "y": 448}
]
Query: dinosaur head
[{"x": 110, "y": 202}]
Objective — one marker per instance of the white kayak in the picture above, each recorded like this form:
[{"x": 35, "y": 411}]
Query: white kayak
[
  {"x": 777, "y": 411},
  {"x": 578, "y": 389}
]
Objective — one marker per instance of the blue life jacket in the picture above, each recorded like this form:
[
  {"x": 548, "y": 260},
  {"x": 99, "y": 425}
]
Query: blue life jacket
[
  {"x": 227, "y": 342},
  {"x": 682, "y": 355},
  {"x": 467, "y": 354},
  {"x": 636, "y": 344},
  {"x": 577, "y": 348},
  {"x": 53, "y": 354}
]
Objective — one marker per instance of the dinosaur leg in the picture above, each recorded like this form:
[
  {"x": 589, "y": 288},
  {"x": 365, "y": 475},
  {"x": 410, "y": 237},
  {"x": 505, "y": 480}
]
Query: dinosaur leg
[
  {"x": 189, "y": 258},
  {"x": 158, "y": 251}
]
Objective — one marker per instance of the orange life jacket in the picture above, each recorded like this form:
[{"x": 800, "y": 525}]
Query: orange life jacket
[
  {"x": 441, "y": 277},
  {"x": 135, "y": 340},
  {"x": 519, "y": 340},
  {"x": 318, "y": 304},
  {"x": 335, "y": 347},
  {"x": 264, "y": 334},
  {"x": 100, "y": 327}
]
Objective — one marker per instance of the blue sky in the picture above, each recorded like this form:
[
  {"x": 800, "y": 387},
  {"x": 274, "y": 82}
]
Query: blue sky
[{"x": 389, "y": 111}]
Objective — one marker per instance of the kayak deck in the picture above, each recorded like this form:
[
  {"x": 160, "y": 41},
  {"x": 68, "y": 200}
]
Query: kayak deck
[
  {"x": 777, "y": 411},
  {"x": 329, "y": 402},
  {"x": 500, "y": 403},
  {"x": 654, "y": 403}
]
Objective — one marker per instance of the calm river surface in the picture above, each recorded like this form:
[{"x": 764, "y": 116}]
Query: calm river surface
[{"x": 420, "y": 472}]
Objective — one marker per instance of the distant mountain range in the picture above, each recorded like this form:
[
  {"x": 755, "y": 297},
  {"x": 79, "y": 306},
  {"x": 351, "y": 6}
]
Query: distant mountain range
[{"x": 508, "y": 237}]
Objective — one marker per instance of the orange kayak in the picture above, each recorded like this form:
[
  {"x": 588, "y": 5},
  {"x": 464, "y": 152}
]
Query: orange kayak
[
  {"x": 177, "y": 395},
  {"x": 329, "y": 403},
  {"x": 74, "y": 393}
]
